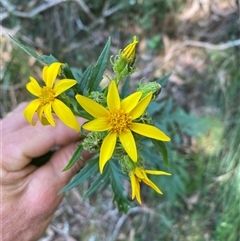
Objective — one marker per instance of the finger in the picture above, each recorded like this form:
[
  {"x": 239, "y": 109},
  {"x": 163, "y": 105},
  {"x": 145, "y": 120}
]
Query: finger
[
  {"x": 48, "y": 180},
  {"x": 34, "y": 141},
  {"x": 51, "y": 173},
  {"x": 14, "y": 120}
]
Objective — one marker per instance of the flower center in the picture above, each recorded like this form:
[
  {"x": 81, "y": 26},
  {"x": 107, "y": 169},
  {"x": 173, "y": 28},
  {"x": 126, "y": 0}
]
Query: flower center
[
  {"x": 119, "y": 121},
  {"x": 47, "y": 95}
]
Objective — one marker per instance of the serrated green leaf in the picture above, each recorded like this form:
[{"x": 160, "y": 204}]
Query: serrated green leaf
[
  {"x": 89, "y": 170},
  {"x": 115, "y": 175},
  {"x": 45, "y": 59},
  {"x": 161, "y": 147},
  {"x": 99, "y": 68},
  {"x": 77, "y": 155},
  {"x": 102, "y": 178}
]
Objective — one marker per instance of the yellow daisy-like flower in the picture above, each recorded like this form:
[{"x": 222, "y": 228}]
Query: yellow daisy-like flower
[
  {"x": 46, "y": 103},
  {"x": 137, "y": 175},
  {"x": 129, "y": 52},
  {"x": 118, "y": 120}
]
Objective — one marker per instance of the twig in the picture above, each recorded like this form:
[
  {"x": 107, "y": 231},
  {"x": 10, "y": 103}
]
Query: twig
[
  {"x": 34, "y": 11},
  {"x": 86, "y": 9},
  {"x": 124, "y": 217},
  {"x": 212, "y": 46},
  {"x": 199, "y": 44}
]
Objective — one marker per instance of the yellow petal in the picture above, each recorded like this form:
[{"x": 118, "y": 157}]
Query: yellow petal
[
  {"x": 152, "y": 185},
  {"x": 65, "y": 114},
  {"x": 33, "y": 87},
  {"x": 133, "y": 184},
  {"x": 149, "y": 131},
  {"x": 93, "y": 108},
  {"x": 129, "y": 144},
  {"x": 63, "y": 85},
  {"x": 153, "y": 172},
  {"x": 107, "y": 149},
  {"x": 141, "y": 106},
  {"x": 44, "y": 73},
  {"x": 130, "y": 102},
  {"x": 30, "y": 110},
  {"x": 137, "y": 191},
  {"x": 100, "y": 124},
  {"x": 113, "y": 99},
  {"x": 139, "y": 172},
  {"x": 51, "y": 73},
  {"x": 47, "y": 109},
  {"x": 40, "y": 112}
]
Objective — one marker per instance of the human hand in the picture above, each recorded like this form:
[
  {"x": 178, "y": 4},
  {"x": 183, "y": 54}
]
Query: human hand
[{"x": 29, "y": 194}]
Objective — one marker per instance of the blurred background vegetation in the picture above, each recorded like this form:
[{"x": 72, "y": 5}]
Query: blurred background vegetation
[{"x": 198, "y": 42}]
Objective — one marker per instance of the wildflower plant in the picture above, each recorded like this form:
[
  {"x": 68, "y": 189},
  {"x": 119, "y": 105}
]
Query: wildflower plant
[{"x": 117, "y": 121}]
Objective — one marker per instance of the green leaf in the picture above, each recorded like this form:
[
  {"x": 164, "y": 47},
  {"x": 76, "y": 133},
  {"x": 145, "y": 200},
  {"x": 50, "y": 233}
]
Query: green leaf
[
  {"x": 163, "y": 81},
  {"x": 102, "y": 178},
  {"x": 75, "y": 157},
  {"x": 161, "y": 147},
  {"x": 126, "y": 88},
  {"x": 83, "y": 81},
  {"x": 99, "y": 68},
  {"x": 48, "y": 59},
  {"x": 45, "y": 59},
  {"x": 89, "y": 170},
  {"x": 115, "y": 175}
]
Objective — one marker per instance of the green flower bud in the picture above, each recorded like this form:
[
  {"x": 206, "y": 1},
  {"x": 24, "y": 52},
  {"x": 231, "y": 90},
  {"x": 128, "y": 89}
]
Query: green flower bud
[
  {"x": 146, "y": 88},
  {"x": 93, "y": 141},
  {"x": 98, "y": 97},
  {"x": 123, "y": 62}
]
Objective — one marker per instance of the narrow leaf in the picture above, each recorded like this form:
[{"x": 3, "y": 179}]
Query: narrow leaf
[
  {"x": 99, "y": 68},
  {"x": 161, "y": 147},
  {"x": 83, "y": 81},
  {"x": 89, "y": 170},
  {"x": 75, "y": 157},
  {"x": 45, "y": 59}
]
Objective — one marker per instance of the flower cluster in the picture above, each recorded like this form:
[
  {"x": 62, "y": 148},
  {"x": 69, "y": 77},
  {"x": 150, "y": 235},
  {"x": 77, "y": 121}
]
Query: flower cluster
[{"x": 116, "y": 123}]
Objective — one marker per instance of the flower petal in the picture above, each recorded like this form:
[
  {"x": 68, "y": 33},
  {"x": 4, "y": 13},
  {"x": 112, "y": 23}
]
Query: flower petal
[
  {"x": 149, "y": 131},
  {"x": 100, "y": 124},
  {"x": 141, "y": 106},
  {"x": 47, "y": 109},
  {"x": 133, "y": 180},
  {"x": 152, "y": 185},
  {"x": 113, "y": 99},
  {"x": 93, "y": 108},
  {"x": 130, "y": 102},
  {"x": 50, "y": 73},
  {"x": 65, "y": 114},
  {"x": 129, "y": 144},
  {"x": 63, "y": 85},
  {"x": 33, "y": 87},
  {"x": 137, "y": 191},
  {"x": 107, "y": 149},
  {"x": 153, "y": 172},
  {"x": 44, "y": 73},
  {"x": 30, "y": 110}
]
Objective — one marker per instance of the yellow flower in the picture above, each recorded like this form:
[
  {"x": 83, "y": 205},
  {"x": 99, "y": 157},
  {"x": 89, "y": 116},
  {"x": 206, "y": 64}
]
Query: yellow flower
[
  {"x": 129, "y": 52},
  {"x": 137, "y": 175},
  {"x": 118, "y": 120},
  {"x": 46, "y": 103}
]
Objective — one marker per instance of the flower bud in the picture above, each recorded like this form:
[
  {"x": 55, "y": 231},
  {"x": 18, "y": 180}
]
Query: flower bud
[
  {"x": 153, "y": 87},
  {"x": 123, "y": 62}
]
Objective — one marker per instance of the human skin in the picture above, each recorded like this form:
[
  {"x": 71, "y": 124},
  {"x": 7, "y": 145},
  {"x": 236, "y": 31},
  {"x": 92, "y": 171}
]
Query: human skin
[{"x": 29, "y": 194}]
